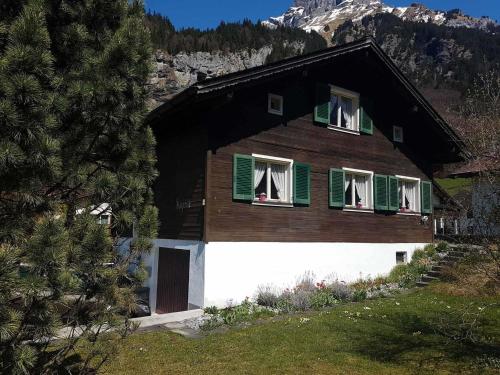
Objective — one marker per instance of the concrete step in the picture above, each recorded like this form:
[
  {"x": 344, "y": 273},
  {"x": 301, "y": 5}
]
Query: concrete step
[
  {"x": 435, "y": 274},
  {"x": 437, "y": 268},
  {"x": 429, "y": 279},
  {"x": 452, "y": 258},
  {"x": 422, "y": 284}
]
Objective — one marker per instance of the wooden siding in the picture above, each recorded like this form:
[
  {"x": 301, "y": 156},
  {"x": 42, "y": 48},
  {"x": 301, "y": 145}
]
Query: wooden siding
[
  {"x": 245, "y": 127},
  {"x": 196, "y": 148},
  {"x": 180, "y": 188}
]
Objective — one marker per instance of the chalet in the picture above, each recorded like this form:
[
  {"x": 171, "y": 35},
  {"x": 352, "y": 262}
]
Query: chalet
[{"x": 321, "y": 163}]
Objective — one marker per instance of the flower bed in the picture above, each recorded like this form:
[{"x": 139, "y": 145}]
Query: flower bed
[{"x": 309, "y": 294}]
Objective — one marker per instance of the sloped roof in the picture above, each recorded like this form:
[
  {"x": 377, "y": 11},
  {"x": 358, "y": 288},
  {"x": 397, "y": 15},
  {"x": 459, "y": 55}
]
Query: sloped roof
[
  {"x": 229, "y": 82},
  {"x": 477, "y": 166}
]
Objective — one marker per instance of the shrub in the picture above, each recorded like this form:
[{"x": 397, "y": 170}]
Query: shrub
[
  {"x": 322, "y": 298},
  {"x": 430, "y": 250},
  {"x": 359, "y": 295},
  {"x": 212, "y": 310},
  {"x": 266, "y": 296},
  {"x": 306, "y": 282},
  {"x": 340, "y": 291},
  {"x": 301, "y": 299},
  {"x": 405, "y": 275},
  {"x": 284, "y": 303},
  {"x": 442, "y": 247},
  {"x": 418, "y": 254}
]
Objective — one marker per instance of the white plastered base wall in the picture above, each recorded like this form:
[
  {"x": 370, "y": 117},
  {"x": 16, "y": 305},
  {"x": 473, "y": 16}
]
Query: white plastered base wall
[
  {"x": 196, "y": 268},
  {"x": 234, "y": 270}
]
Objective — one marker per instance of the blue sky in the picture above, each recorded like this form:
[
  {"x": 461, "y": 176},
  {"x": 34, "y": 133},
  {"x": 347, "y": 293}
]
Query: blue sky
[{"x": 205, "y": 13}]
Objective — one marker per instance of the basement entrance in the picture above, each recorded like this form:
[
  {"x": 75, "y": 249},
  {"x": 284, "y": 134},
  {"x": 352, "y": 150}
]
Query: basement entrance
[{"x": 173, "y": 280}]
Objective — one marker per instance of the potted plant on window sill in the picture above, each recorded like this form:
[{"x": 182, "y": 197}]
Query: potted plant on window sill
[{"x": 262, "y": 197}]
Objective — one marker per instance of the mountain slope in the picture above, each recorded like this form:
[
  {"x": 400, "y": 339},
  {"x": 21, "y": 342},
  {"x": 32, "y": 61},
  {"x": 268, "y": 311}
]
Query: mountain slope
[
  {"x": 325, "y": 16},
  {"x": 429, "y": 54},
  {"x": 186, "y": 56}
]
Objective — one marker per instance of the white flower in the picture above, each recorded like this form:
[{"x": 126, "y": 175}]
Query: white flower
[
  {"x": 367, "y": 308},
  {"x": 397, "y": 303}
]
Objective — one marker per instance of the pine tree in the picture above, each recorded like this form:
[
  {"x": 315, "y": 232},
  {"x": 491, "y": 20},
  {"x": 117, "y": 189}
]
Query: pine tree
[{"x": 73, "y": 141}]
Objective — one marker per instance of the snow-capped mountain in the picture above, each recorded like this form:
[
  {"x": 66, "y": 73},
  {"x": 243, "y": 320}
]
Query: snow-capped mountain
[{"x": 324, "y": 16}]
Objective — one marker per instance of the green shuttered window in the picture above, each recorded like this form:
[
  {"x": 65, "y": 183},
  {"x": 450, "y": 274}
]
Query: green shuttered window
[
  {"x": 336, "y": 188},
  {"x": 302, "y": 184},
  {"x": 243, "y": 172},
  {"x": 393, "y": 194},
  {"x": 322, "y": 109},
  {"x": 380, "y": 192},
  {"x": 366, "y": 120},
  {"x": 426, "y": 192}
]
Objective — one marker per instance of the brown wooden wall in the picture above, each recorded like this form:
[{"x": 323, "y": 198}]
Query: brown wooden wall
[
  {"x": 180, "y": 187},
  {"x": 196, "y": 147},
  {"x": 244, "y": 126}
]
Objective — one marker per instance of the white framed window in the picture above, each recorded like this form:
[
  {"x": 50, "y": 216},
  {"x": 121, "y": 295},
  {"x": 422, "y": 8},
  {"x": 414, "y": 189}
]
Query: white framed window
[
  {"x": 397, "y": 134},
  {"x": 409, "y": 194},
  {"x": 401, "y": 257},
  {"x": 272, "y": 180},
  {"x": 344, "y": 106},
  {"x": 275, "y": 104},
  {"x": 104, "y": 219},
  {"x": 358, "y": 189}
]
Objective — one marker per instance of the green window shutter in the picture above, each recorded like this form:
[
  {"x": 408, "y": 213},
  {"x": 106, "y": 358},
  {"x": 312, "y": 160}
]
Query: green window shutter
[
  {"x": 336, "y": 188},
  {"x": 393, "y": 194},
  {"x": 301, "y": 184},
  {"x": 322, "y": 108},
  {"x": 380, "y": 192},
  {"x": 243, "y": 176},
  {"x": 426, "y": 200},
  {"x": 366, "y": 121}
]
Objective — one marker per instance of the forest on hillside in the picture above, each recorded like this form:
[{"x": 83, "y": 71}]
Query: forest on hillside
[
  {"x": 232, "y": 37},
  {"x": 430, "y": 54}
]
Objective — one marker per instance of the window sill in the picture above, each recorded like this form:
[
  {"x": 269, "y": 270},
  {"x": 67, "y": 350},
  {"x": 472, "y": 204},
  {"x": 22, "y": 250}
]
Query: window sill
[
  {"x": 342, "y": 130},
  {"x": 409, "y": 213},
  {"x": 362, "y": 210},
  {"x": 272, "y": 204}
]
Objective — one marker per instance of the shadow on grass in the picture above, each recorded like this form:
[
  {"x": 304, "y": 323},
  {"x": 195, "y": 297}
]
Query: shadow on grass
[{"x": 404, "y": 337}]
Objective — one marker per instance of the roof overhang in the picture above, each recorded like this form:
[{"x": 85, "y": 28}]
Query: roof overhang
[{"x": 227, "y": 83}]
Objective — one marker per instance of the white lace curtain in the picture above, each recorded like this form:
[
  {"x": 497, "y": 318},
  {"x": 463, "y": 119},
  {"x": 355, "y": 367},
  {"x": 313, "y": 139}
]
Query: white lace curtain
[
  {"x": 409, "y": 195},
  {"x": 260, "y": 171},
  {"x": 278, "y": 174},
  {"x": 361, "y": 190},
  {"x": 346, "y": 108}
]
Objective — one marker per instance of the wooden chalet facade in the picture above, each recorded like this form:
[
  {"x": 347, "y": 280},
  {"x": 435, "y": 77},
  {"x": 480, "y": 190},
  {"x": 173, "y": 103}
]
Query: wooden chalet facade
[{"x": 319, "y": 163}]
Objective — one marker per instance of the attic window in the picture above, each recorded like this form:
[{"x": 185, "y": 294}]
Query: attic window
[
  {"x": 397, "y": 134},
  {"x": 275, "y": 104},
  {"x": 344, "y": 106}
]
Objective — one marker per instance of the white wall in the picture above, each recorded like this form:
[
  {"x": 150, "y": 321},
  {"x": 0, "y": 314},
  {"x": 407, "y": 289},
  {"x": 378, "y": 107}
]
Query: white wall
[
  {"x": 234, "y": 270},
  {"x": 196, "y": 268}
]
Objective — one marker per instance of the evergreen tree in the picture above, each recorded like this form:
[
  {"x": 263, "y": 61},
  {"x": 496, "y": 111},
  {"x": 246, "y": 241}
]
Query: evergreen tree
[{"x": 73, "y": 142}]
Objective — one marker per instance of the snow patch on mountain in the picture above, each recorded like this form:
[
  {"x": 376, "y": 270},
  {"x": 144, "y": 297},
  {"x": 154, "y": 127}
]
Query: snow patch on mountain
[{"x": 325, "y": 16}]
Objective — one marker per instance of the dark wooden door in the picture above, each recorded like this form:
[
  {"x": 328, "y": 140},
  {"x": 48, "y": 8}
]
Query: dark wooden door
[{"x": 173, "y": 281}]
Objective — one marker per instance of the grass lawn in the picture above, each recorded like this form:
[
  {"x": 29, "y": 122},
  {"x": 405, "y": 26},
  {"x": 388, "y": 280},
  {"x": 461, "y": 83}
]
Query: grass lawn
[
  {"x": 453, "y": 186},
  {"x": 383, "y": 336}
]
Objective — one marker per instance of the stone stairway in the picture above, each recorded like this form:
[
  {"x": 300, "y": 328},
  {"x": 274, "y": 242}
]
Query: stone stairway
[{"x": 454, "y": 255}]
